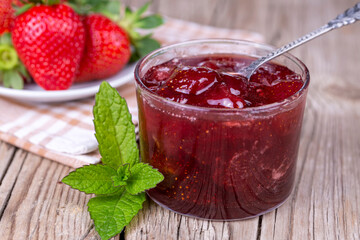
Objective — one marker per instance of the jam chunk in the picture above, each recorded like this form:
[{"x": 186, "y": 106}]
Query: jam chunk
[{"x": 207, "y": 81}]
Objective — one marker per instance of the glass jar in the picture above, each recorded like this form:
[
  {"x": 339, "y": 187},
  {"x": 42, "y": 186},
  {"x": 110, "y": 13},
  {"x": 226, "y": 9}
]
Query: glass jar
[{"x": 221, "y": 164}]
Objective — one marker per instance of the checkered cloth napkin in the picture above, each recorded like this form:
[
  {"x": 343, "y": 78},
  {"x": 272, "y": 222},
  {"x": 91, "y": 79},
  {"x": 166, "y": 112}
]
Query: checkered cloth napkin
[{"x": 64, "y": 131}]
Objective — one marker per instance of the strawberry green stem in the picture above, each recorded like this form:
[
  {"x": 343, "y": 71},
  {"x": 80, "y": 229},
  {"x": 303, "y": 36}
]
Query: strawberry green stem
[
  {"x": 46, "y": 2},
  {"x": 52, "y": 2},
  {"x": 8, "y": 57}
]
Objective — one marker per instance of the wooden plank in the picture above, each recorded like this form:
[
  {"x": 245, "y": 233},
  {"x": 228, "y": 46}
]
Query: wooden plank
[
  {"x": 93, "y": 235},
  {"x": 325, "y": 202},
  {"x": 155, "y": 222},
  {"x": 6, "y": 154},
  {"x": 10, "y": 173},
  {"x": 42, "y": 208},
  {"x": 36, "y": 205},
  {"x": 317, "y": 208},
  {"x": 349, "y": 186}
]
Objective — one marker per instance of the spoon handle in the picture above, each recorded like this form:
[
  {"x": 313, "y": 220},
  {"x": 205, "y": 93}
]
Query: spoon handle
[{"x": 351, "y": 15}]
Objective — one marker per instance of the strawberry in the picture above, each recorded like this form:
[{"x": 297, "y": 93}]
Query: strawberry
[
  {"x": 7, "y": 13},
  {"x": 108, "y": 40},
  {"x": 6, "y": 16},
  {"x": 107, "y": 49},
  {"x": 50, "y": 41}
]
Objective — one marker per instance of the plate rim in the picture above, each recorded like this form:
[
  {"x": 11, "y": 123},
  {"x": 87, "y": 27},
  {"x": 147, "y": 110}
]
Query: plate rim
[{"x": 124, "y": 76}]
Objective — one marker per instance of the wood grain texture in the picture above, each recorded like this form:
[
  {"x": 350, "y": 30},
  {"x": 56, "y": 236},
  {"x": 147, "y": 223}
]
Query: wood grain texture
[
  {"x": 8, "y": 173},
  {"x": 34, "y": 204},
  {"x": 6, "y": 155},
  {"x": 38, "y": 206},
  {"x": 154, "y": 222},
  {"x": 325, "y": 203}
]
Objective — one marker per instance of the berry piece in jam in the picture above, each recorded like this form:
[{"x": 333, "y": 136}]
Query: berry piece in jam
[
  {"x": 205, "y": 81},
  {"x": 189, "y": 81}
]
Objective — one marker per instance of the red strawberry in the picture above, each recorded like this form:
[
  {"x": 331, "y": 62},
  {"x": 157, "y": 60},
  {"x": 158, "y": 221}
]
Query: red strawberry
[
  {"x": 6, "y": 15},
  {"x": 50, "y": 42},
  {"x": 107, "y": 49},
  {"x": 111, "y": 42}
]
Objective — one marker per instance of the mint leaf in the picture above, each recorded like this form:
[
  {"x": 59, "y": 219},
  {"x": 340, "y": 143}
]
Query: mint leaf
[
  {"x": 123, "y": 174},
  {"x": 142, "y": 177},
  {"x": 114, "y": 129},
  {"x": 112, "y": 213},
  {"x": 93, "y": 179}
]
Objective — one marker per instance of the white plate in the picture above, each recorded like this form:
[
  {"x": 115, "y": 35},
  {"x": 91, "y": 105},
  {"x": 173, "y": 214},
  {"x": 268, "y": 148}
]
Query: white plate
[{"x": 34, "y": 93}]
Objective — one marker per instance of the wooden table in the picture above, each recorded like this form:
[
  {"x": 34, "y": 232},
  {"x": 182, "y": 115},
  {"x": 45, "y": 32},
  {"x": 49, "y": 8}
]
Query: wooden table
[{"x": 325, "y": 203}]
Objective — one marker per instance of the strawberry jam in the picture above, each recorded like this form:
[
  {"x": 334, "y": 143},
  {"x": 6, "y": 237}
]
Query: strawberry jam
[
  {"x": 226, "y": 146},
  {"x": 208, "y": 81}
]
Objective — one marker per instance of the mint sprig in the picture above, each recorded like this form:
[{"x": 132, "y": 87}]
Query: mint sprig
[{"x": 120, "y": 181}]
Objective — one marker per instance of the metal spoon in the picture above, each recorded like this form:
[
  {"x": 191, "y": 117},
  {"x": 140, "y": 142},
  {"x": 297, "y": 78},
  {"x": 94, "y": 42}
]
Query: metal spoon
[{"x": 351, "y": 15}]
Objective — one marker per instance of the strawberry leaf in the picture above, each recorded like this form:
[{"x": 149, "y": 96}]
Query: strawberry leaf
[
  {"x": 23, "y": 9},
  {"x": 52, "y": 2},
  {"x": 134, "y": 20},
  {"x": 142, "y": 10},
  {"x": 106, "y": 7},
  {"x": 12, "y": 79},
  {"x": 113, "y": 7},
  {"x": 149, "y": 22},
  {"x": 144, "y": 46},
  {"x": 129, "y": 13},
  {"x": 12, "y": 71},
  {"x": 22, "y": 70}
]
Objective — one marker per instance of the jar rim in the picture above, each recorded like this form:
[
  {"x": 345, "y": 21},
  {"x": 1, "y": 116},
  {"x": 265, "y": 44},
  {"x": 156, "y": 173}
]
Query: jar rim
[{"x": 266, "y": 107}]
